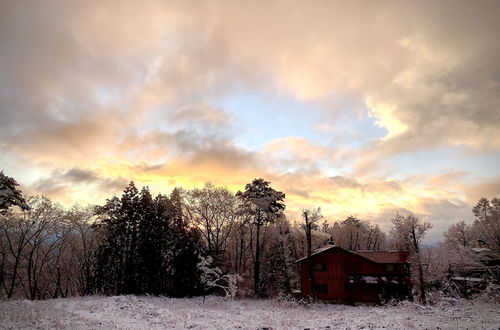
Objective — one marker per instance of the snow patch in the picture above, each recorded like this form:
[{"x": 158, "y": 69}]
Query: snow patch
[{"x": 147, "y": 312}]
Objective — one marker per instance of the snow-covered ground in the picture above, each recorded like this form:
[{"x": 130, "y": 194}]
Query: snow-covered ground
[{"x": 142, "y": 312}]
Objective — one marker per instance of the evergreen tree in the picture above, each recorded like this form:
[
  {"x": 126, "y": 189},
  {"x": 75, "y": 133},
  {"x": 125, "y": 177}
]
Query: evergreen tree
[
  {"x": 147, "y": 247},
  {"x": 9, "y": 194},
  {"x": 183, "y": 252},
  {"x": 264, "y": 205},
  {"x": 148, "y": 253},
  {"x": 281, "y": 276}
]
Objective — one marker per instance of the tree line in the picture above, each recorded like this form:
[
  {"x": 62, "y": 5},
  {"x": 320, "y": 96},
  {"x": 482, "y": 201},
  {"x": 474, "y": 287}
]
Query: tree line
[{"x": 202, "y": 240}]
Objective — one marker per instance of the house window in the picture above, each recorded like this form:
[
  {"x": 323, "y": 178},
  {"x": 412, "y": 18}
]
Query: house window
[
  {"x": 319, "y": 267},
  {"x": 321, "y": 288},
  {"x": 389, "y": 268}
]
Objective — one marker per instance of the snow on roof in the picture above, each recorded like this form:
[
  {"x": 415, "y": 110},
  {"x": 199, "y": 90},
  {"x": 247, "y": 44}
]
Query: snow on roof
[
  {"x": 467, "y": 279},
  {"x": 384, "y": 257},
  {"x": 318, "y": 251},
  {"x": 492, "y": 254},
  {"x": 480, "y": 249}
]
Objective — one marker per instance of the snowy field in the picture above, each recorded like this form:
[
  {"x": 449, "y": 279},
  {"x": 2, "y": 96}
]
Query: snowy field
[{"x": 132, "y": 312}]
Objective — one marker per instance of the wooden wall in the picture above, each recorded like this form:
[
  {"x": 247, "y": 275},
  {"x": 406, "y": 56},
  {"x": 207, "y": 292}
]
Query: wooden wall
[{"x": 340, "y": 264}]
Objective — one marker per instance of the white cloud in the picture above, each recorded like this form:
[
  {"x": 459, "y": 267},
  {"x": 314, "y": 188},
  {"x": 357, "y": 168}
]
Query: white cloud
[{"x": 122, "y": 82}]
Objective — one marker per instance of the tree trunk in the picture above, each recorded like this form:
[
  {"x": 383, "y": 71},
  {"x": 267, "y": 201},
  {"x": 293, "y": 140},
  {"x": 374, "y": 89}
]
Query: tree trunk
[
  {"x": 14, "y": 276},
  {"x": 308, "y": 228},
  {"x": 420, "y": 268},
  {"x": 257, "y": 261},
  {"x": 240, "y": 261},
  {"x": 421, "y": 281}
]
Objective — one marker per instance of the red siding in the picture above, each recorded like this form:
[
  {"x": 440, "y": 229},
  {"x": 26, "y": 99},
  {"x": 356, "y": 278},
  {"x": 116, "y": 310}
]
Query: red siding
[{"x": 340, "y": 264}]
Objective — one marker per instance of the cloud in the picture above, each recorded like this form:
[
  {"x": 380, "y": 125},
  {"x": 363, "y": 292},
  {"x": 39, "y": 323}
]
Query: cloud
[
  {"x": 131, "y": 90},
  {"x": 441, "y": 213},
  {"x": 487, "y": 188},
  {"x": 411, "y": 63},
  {"x": 202, "y": 114},
  {"x": 298, "y": 154},
  {"x": 65, "y": 184}
]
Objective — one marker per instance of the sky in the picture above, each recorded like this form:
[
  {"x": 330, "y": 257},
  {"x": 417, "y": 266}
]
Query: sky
[{"x": 363, "y": 108}]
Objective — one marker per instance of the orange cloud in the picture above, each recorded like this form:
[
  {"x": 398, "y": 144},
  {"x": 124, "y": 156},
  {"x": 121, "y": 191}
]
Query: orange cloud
[{"x": 96, "y": 93}]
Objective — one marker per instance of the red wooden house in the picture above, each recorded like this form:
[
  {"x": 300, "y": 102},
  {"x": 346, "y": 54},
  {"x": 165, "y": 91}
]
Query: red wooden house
[{"x": 354, "y": 277}]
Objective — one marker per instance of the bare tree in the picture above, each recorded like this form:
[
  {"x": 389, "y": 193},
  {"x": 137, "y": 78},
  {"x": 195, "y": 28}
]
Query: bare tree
[
  {"x": 81, "y": 241},
  {"x": 310, "y": 217},
  {"x": 214, "y": 211},
  {"x": 42, "y": 250},
  {"x": 459, "y": 235},
  {"x": 487, "y": 222},
  {"x": 240, "y": 238},
  {"x": 408, "y": 232},
  {"x": 375, "y": 238},
  {"x": 355, "y": 234},
  {"x": 29, "y": 242}
]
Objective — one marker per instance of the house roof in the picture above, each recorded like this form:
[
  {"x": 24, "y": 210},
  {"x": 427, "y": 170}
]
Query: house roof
[
  {"x": 485, "y": 253},
  {"x": 318, "y": 251},
  {"x": 384, "y": 257},
  {"x": 487, "y": 256}
]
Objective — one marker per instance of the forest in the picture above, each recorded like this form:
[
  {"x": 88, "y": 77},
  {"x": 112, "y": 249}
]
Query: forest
[{"x": 209, "y": 240}]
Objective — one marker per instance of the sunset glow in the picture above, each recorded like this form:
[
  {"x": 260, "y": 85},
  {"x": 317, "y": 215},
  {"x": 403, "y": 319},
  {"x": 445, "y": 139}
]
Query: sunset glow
[{"x": 363, "y": 108}]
